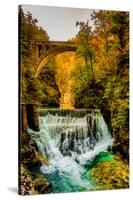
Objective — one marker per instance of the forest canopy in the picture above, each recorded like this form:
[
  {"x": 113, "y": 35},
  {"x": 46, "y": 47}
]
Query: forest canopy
[{"x": 103, "y": 82}]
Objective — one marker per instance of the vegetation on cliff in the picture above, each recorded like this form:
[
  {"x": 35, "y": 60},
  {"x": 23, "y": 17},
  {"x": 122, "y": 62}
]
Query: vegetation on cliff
[{"x": 103, "y": 81}]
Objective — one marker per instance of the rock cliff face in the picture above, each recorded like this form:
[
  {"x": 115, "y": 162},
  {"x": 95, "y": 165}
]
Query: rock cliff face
[
  {"x": 31, "y": 183},
  {"x": 66, "y": 63}
]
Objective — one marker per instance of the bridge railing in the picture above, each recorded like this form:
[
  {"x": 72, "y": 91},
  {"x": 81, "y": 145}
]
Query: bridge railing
[{"x": 56, "y": 43}]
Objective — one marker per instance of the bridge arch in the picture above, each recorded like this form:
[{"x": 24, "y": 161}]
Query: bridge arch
[{"x": 50, "y": 56}]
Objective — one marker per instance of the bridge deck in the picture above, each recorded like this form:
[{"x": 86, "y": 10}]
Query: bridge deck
[{"x": 57, "y": 43}]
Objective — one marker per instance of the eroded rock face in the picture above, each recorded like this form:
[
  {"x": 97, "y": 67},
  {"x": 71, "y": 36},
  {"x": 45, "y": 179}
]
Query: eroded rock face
[
  {"x": 28, "y": 156},
  {"x": 121, "y": 144},
  {"x": 65, "y": 64}
]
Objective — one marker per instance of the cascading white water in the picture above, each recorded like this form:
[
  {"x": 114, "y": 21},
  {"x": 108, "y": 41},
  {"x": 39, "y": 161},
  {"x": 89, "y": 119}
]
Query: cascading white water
[{"x": 69, "y": 142}]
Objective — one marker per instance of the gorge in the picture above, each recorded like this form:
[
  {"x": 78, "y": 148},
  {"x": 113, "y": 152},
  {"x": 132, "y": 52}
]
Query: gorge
[{"x": 74, "y": 106}]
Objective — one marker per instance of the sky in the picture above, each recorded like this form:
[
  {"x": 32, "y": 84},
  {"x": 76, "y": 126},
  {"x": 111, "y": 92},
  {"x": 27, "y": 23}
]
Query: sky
[{"x": 60, "y": 23}]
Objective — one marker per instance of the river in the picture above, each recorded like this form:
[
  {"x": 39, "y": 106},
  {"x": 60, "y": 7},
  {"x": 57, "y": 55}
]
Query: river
[{"x": 72, "y": 141}]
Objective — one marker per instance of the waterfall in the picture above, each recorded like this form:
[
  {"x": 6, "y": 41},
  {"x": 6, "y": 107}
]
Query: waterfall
[{"x": 70, "y": 140}]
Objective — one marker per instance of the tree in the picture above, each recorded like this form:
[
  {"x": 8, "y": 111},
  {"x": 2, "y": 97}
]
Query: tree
[
  {"x": 120, "y": 28},
  {"x": 109, "y": 42},
  {"x": 29, "y": 30},
  {"x": 85, "y": 49},
  {"x": 44, "y": 89}
]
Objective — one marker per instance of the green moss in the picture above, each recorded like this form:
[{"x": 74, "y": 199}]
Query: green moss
[
  {"x": 104, "y": 156},
  {"x": 113, "y": 174}
]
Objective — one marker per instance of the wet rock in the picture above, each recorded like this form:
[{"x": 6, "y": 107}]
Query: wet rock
[
  {"x": 42, "y": 186},
  {"x": 71, "y": 141},
  {"x": 29, "y": 152},
  {"x": 63, "y": 136}
]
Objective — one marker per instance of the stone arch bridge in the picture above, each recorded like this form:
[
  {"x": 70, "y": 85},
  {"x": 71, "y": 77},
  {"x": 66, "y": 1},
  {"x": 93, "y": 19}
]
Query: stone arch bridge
[
  {"x": 44, "y": 51},
  {"x": 40, "y": 52}
]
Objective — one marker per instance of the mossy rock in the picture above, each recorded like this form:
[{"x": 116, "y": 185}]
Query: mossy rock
[
  {"x": 32, "y": 183},
  {"x": 113, "y": 174},
  {"x": 41, "y": 185},
  {"x": 31, "y": 160},
  {"x": 29, "y": 156}
]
